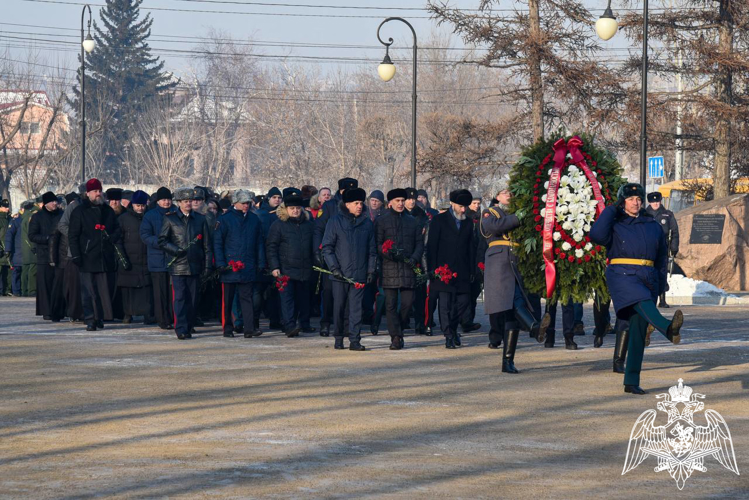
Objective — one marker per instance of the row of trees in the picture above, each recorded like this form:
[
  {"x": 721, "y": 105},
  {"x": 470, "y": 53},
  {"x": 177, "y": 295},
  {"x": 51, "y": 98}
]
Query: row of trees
[{"x": 230, "y": 120}]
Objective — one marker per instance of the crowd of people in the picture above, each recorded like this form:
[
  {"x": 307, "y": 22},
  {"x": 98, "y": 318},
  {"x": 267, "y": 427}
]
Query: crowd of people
[{"x": 179, "y": 259}]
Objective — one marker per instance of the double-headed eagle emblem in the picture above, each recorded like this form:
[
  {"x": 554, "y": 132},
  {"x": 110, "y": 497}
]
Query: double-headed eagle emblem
[{"x": 680, "y": 445}]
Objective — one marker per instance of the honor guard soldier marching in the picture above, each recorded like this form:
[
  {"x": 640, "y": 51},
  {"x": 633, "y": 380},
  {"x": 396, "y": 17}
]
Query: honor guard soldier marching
[
  {"x": 636, "y": 274},
  {"x": 667, "y": 221},
  {"x": 504, "y": 296}
]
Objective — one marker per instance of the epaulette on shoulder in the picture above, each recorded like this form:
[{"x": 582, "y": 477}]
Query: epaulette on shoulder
[{"x": 495, "y": 213}]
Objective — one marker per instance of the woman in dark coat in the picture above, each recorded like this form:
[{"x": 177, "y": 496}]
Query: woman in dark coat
[
  {"x": 451, "y": 242},
  {"x": 41, "y": 228},
  {"x": 134, "y": 280},
  {"x": 398, "y": 278},
  {"x": 290, "y": 253},
  {"x": 636, "y": 274}
]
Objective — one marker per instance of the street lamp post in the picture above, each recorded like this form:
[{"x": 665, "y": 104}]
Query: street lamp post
[
  {"x": 87, "y": 45},
  {"x": 386, "y": 70},
  {"x": 606, "y": 27}
]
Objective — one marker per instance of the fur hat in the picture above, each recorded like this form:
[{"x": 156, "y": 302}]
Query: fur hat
[
  {"x": 184, "y": 193},
  {"x": 48, "y": 197},
  {"x": 241, "y": 196},
  {"x": 347, "y": 183},
  {"x": 354, "y": 194},
  {"x": 139, "y": 198},
  {"x": 411, "y": 193},
  {"x": 396, "y": 193},
  {"x": 461, "y": 197},
  {"x": 314, "y": 201},
  {"x": 293, "y": 200},
  {"x": 4, "y": 203},
  {"x": 93, "y": 185},
  {"x": 114, "y": 194},
  {"x": 224, "y": 203},
  {"x": 163, "y": 193},
  {"x": 630, "y": 189},
  {"x": 655, "y": 197},
  {"x": 308, "y": 191},
  {"x": 290, "y": 191}
]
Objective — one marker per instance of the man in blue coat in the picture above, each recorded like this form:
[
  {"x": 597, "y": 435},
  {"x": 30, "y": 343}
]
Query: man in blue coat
[
  {"x": 636, "y": 274},
  {"x": 239, "y": 249},
  {"x": 348, "y": 247},
  {"x": 324, "y": 214},
  {"x": 160, "y": 280},
  {"x": 265, "y": 295}
]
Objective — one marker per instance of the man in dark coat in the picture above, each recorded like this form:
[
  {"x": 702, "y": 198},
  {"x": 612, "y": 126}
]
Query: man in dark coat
[
  {"x": 290, "y": 255},
  {"x": 266, "y": 296},
  {"x": 239, "y": 238},
  {"x": 504, "y": 298},
  {"x": 13, "y": 245},
  {"x": 404, "y": 234},
  {"x": 91, "y": 236},
  {"x": 328, "y": 210},
  {"x": 28, "y": 273},
  {"x": 423, "y": 324},
  {"x": 468, "y": 322},
  {"x": 184, "y": 237},
  {"x": 150, "y": 228},
  {"x": 637, "y": 255},
  {"x": 66, "y": 291},
  {"x": 208, "y": 293},
  {"x": 114, "y": 198},
  {"x": 348, "y": 248},
  {"x": 451, "y": 243},
  {"x": 667, "y": 220},
  {"x": 5, "y": 264},
  {"x": 133, "y": 278},
  {"x": 41, "y": 228}
]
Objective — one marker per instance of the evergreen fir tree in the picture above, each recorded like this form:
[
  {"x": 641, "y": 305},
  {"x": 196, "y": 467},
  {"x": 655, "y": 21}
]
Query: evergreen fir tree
[{"x": 122, "y": 79}]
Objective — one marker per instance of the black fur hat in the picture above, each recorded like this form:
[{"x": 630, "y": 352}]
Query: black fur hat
[
  {"x": 628, "y": 190},
  {"x": 461, "y": 197},
  {"x": 355, "y": 194}
]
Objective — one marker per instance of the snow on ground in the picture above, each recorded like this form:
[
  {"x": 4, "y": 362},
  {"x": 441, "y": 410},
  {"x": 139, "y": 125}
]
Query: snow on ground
[{"x": 681, "y": 286}]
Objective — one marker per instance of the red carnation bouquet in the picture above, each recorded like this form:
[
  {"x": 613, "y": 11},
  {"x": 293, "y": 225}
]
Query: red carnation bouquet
[
  {"x": 356, "y": 284},
  {"x": 103, "y": 229},
  {"x": 236, "y": 265},
  {"x": 482, "y": 266},
  {"x": 388, "y": 248},
  {"x": 281, "y": 282},
  {"x": 442, "y": 273},
  {"x": 194, "y": 240}
]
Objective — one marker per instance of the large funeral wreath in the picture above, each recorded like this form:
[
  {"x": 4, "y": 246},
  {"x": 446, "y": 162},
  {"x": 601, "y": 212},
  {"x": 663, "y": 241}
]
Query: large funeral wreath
[{"x": 551, "y": 185}]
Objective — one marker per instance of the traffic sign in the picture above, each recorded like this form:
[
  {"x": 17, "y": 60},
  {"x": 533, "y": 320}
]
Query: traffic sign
[{"x": 655, "y": 167}]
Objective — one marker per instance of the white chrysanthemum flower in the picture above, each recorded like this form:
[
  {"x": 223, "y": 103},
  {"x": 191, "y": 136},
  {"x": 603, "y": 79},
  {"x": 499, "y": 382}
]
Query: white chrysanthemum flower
[
  {"x": 586, "y": 228},
  {"x": 567, "y": 225},
  {"x": 579, "y": 253},
  {"x": 566, "y": 246},
  {"x": 543, "y": 213},
  {"x": 564, "y": 181},
  {"x": 578, "y": 237},
  {"x": 589, "y": 246},
  {"x": 562, "y": 208},
  {"x": 544, "y": 197},
  {"x": 546, "y": 185},
  {"x": 557, "y": 236}
]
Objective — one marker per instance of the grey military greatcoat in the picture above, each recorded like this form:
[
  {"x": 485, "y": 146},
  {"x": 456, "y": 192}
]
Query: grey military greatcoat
[{"x": 501, "y": 273}]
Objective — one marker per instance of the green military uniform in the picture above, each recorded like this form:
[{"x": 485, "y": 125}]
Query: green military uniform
[
  {"x": 5, "y": 273},
  {"x": 28, "y": 271}
]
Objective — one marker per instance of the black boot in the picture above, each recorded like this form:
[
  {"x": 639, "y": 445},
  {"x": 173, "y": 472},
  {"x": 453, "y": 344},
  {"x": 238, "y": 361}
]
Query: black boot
[
  {"x": 339, "y": 343},
  {"x": 529, "y": 323},
  {"x": 662, "y": 301},
  {"x": 673, "y": 333},
  {"x": 508, "y": 353},
  {"x": 569, "y": 342},
  {"x": 356, "y": 346},
  {"x": 396, "y": 343},
  {"x": 551, "y": 338},
  {"x": 324, "y": 330},
  {"x": 634, "y": 389},
  {"x": 456, "y": 340},
  {"x": 620, "y": 350},
  {"x": 450, "y": 342}
]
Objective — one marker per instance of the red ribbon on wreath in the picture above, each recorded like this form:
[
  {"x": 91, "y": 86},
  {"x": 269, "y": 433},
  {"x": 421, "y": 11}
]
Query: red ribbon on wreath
[{"x": 561, "y": 148}]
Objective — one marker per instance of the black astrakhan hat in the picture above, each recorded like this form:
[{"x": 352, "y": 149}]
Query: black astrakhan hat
[
  {"x": 48, "y": 197},
  {"x": 461, "y": 197},
  {"x": 355, "y": 194},
  {"x": 347, "y": 183},
  {"x": 293, "y": 200},
  {"x": 630, "y": 189},
  {"x": 654, "y": 197},
  {"x": 397, "y": 193}
]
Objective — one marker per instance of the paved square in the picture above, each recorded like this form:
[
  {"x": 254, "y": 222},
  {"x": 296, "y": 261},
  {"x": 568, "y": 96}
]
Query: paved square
[{"x": 130, "y": 412}]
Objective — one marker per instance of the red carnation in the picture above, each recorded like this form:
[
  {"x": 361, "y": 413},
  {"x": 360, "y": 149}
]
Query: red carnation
[
  {"x": 538, "y": 228},
  {"x": 537, "y": 218},
  {"x": 535, "y": 186},
  {"x": 598, "y": 248},
  {"x": 387, "y": 246},
  {"x": 557, "y": 251},
  {"x": 579, "y": 261},
  {"x": 587, "y": 258},
  {"x": 536, "y": 211},
  {"x": 562, "y": 255},
  {"x": 198, "y": 237},
  {"x": 535, "y": 198},
  {"x": 482, "y": 266},
  {"x": 592, "y": 252},
  {"x": 571, "y": 258}
]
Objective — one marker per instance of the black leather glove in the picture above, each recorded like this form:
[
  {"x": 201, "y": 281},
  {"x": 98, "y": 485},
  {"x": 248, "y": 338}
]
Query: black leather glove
[
  {"x": 371, "y": 278},
  {"x": 225, "y": 269},
  {"x": 408, "y": 262},
  {"x": 319, "y": 260},
  {"x": 181, "y": 253},
  {"x": 338, "y": 274},
  {"x": 78, "y": 261}
]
